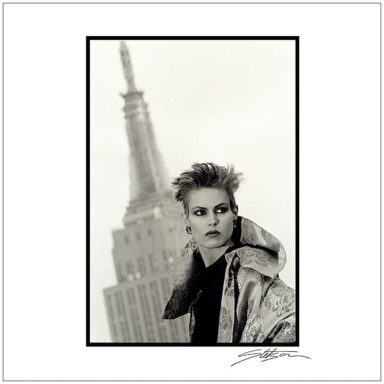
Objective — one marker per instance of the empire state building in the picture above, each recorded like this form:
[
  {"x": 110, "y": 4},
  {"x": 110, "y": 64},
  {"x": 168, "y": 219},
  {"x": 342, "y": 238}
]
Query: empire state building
[{"x": 146, "y": 248}]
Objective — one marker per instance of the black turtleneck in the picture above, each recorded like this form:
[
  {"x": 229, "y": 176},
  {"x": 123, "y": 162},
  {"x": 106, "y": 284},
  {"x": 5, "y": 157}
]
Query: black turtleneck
[{"x": 207, "y": 307}]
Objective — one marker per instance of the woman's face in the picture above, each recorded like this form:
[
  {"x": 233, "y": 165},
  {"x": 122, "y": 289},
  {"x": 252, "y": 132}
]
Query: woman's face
[{"x": 210, "y": 217}]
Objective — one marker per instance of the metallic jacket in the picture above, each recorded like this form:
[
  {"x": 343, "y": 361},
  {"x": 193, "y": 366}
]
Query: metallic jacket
[{"x": 256, "y": 306}]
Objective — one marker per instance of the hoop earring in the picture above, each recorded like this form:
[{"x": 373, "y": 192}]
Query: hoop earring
[{"x": 188, "y": 229}]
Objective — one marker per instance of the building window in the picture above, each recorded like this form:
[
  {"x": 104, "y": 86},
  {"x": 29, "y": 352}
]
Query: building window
[
  {"x": 165, "y": 288},
  {"x": 157, "y": 305},
  {"x": 119, "y": 304},
  {"x": 171, "y": 256},
  {"x": 153, "y": 263},
  {"x": 165, "y": 260},
  {"x": 119, "y": 272},
  {"x": 143, "y": 297},
  {"x": 142, "y": 270},
  {"x": 174, "y": 331},
  {"x": 129, "y": 267},
  {"x": 133, "y": 309},
  {"x": 115, "y": 336},
  {"x": 110, "y": 307}
]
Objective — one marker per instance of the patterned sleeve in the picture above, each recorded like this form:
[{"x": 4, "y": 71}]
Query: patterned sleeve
[{"x": 285, "y": 331}]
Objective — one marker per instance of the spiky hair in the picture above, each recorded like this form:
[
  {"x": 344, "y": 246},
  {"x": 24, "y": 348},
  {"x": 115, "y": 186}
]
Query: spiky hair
[{"x": 207, "y": 175}]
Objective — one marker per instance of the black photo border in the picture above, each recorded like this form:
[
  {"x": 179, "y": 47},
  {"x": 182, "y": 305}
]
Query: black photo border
[{"x": 296, "y": 39}]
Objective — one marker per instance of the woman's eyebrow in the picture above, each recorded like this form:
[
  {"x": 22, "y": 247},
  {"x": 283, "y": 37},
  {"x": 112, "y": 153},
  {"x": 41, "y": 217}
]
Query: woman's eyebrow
[
  {"x": 216, "y": 206},
  {"x": 222, "y": 204}
]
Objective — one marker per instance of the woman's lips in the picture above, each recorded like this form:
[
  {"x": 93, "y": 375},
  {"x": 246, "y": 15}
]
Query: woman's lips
[{"x": 212, "y": 233}]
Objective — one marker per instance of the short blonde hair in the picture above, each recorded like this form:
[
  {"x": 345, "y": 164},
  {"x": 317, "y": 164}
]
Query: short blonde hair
[{"x": 207, "y": 175}]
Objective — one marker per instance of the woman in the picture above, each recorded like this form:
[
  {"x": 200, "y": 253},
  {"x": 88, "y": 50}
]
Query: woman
[{"x": 228, "y": 274}]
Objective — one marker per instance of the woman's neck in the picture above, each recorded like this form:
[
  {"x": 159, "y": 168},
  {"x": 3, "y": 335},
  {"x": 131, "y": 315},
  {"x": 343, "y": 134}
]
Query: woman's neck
[{"x": 210, "y": 255}]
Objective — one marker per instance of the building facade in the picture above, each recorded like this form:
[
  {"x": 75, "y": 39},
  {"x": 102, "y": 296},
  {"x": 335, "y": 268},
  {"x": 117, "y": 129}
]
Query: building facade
[{"x": 146, "y": 249}]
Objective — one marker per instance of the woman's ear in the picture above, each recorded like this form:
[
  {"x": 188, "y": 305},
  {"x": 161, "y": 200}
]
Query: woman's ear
[
  {"x": 235, "y": 211},
  {"x": 185, "y": 218}
]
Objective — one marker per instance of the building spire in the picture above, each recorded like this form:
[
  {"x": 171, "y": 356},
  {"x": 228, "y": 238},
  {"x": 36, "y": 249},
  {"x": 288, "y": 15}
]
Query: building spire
[
  {"x": 127, "y": 67},
  {"x": 148, "y": 175}
]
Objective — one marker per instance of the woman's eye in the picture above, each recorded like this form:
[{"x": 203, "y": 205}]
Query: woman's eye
[
  {"x": 222, "y": 210},
  {"x": 199, "y": 213}
]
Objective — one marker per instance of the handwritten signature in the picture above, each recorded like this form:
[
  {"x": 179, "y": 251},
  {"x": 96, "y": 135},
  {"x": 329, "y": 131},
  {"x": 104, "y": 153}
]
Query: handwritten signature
[{"x": 267, "y": 355}]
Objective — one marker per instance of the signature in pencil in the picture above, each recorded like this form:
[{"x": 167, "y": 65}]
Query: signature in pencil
[{"x": 266, "y": 355}]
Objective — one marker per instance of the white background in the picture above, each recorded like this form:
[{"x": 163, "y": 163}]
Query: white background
[{"x": 44, "y": 124}]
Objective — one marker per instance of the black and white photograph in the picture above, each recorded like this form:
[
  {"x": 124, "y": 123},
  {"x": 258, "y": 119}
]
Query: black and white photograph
[
  {"x": 193, "y": 203},
  {"x": 192, "y": 192}
]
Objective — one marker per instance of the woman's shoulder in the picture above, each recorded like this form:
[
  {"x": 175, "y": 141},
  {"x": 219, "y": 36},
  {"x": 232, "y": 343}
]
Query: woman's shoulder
[
  {"x": 278, "y": 287},
  {"x": 279, "y": 298}
]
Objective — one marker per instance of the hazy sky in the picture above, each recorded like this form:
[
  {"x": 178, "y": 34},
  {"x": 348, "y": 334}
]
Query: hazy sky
[{"x": 221, "y": 101}]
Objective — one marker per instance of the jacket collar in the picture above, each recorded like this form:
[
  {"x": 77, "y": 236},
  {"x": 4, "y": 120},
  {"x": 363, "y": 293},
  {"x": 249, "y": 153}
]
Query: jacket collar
[{"x": 255, "y": 247}]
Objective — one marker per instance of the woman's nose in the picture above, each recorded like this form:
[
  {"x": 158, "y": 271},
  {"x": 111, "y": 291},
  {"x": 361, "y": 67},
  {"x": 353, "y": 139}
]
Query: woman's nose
[{"x": 213, "y": 219}]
